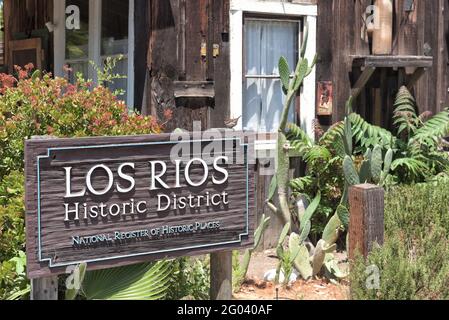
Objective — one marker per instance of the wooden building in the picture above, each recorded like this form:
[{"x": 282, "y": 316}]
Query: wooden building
[{"x": 210, "y": 60}]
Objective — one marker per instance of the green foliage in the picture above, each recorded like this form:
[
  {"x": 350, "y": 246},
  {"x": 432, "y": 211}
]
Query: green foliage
[
  {"x": 413, "y": 262},
  {"x": 418, "y": 156},
  {"x": 106, "y": 74},
  {"x": 191, "y": 279},
  {"x": 14, "y": 283},
  {"x": 76, "y": 279},
  {"x": 367, "y": 135},
  {"x": 405, "y": 117},
  {"x": 324, "y": 173},
  {"x": 12, "y": 213},
  {"x": 47, "y": 106},
  {"x": 286, "y": 257},
  {"x": 138, "y": 282}
]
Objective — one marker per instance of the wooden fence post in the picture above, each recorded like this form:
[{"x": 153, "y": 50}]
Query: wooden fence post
[
  {"x": 44, "y": 288},
  {"x": 366, "y": 226},
  {"x": 221, "y": 276}
]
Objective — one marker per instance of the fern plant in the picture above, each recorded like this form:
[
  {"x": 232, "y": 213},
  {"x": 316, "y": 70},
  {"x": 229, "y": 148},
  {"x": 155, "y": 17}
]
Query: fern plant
[
  {"x": 416, "y": 140},
  {"x": 418, "y": 155}
]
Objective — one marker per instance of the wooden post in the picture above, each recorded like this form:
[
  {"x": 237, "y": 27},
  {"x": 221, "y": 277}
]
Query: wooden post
[
  {"x": 44, "y": 289},
  {"x": 366, "y": 226},
  {"x": 221, "y": 276}
]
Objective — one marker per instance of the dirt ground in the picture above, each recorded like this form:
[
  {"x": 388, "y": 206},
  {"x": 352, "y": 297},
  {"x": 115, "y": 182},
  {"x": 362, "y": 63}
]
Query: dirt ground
[{"x": 257, "y": 289}]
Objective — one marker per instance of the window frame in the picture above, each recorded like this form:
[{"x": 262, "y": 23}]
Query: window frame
[
  {"x": 95, "y": 13},
  {"x": 239, "y": 10}
]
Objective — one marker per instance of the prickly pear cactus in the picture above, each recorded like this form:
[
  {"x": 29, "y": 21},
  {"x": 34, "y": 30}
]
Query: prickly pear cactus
[{"x": 290, "y": 87}]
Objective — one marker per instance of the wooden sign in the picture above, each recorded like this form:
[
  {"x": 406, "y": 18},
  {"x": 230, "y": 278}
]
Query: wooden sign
[
  {"x": 123, "y": 200},
  {"x": 325, "y": 98}
]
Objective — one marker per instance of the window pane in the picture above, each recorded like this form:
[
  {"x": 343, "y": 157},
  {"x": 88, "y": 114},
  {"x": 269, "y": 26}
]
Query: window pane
[
  {"x": 265, "y": 42},
  {"x": 114, "y": 27},
  {"x": 263, "y": 101},
  {"x": 77, "y": 67},
  {"x": 77, "y": 41},
  {"x": 120, "y": 84}
]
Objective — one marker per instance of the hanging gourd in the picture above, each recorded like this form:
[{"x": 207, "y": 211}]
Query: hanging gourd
[{"x": 383, "y": 31}]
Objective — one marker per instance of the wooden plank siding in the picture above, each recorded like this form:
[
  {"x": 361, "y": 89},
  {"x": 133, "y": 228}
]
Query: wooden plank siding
[
  {"x": 339, "y": 35},
  {"x": 171, "y": 33},
  {"x": 25, "y": 16},
  {"x": 183, "y": 34}
]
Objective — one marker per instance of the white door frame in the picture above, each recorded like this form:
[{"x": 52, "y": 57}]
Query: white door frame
[
  {"x": 306, "y": 11},
  {"x": 59, "y": 20}
]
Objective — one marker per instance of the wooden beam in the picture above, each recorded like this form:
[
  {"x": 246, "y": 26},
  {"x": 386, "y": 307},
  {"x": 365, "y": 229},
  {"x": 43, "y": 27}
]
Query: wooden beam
[
  {"x": 362, "y": 81},
  {"x": 44, "y": 288},
  {"x": 366, "y": 225},
  {"x": 419, "y": 72},
  {"x": 221, "y": 276},
  {"x": 392, "y": 61},
  {"x": 194, "y": 89}
]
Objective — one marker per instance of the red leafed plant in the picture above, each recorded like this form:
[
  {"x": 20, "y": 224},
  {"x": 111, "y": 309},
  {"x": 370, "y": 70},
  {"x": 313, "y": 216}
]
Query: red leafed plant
[{"x": 36, "y": 104}]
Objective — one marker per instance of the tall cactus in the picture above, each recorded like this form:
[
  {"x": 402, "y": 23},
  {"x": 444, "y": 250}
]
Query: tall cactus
[
  {"x": 290, "y": 87},
  {"x": 241, "y": 272}
]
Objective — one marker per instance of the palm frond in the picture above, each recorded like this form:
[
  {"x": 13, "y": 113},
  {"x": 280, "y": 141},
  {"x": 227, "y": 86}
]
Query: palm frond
[{"x": 146, "y": 281}]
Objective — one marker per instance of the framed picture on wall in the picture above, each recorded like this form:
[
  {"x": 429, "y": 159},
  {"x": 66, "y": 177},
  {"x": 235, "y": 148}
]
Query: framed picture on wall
[
  {"x": 22, "y": 52},
  {"x": 324, "y": 98}
]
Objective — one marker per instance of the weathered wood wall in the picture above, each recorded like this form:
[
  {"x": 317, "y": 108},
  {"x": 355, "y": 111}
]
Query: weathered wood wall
[
  {"x": 421, "y": 32},
  {"x": 182, "y": 36},
  {"x": 25, "y": 16}
]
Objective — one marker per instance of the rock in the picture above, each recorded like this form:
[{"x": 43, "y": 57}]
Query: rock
[
  {"x": 261, "y": 284},
  {"x": 270, "y": 276}
]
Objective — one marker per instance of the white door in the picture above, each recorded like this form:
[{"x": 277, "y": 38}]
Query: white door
[{"x": 92, "y": 30}]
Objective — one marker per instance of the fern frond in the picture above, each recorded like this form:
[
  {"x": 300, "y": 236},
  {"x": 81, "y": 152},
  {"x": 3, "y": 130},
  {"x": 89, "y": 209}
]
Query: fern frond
[
  {"x": 299, "y": 139},
  {"x": 405, "y": 117},
  {"x": 332, "y": 139},
  {"x": 317, "y": 153},
  {"x": 368, "y": 135},
  {"x": 413, "y": 167},
  {"x": 433, "y": 130},
  {"x": 300, "y": 184}
]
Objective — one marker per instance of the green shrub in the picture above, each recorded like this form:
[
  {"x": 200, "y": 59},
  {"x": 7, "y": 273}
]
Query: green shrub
[
  {"x": 39, "y": 106},
  {"x": 413, "y": 262},
  {"x": 12, "y": 226},
  {"x": 191, "y": 279}
]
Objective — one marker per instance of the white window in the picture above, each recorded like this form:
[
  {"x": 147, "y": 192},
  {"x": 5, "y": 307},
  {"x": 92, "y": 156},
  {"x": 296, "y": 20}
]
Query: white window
[
  {"x": 262, "y": 32},
  {"x": 105, "y": 29},
  {"x": 266, "y": 40}
]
